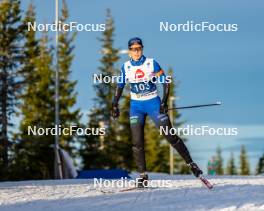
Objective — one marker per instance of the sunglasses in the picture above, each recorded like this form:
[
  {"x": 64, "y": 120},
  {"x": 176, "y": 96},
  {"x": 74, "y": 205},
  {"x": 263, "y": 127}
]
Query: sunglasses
[{"x": 136, "y": 49}]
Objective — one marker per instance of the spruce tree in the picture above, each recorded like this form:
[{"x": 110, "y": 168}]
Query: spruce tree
[
  {"x": 260, "y": 166},
  {"x": 34, "y": 155},
  {"x": 91, "y": 149},
  {"x": 231, "y": 167},
  {"x": 103, "y": 149},
  {"x": 219, "y": 160},
  {"x": 244, "y": 163},
  {"x": 30, "y": 52},
  {"x": 10, "y": 63},
  {"x": 68, "y": 115},
  {"x": 22, "y": 149}
]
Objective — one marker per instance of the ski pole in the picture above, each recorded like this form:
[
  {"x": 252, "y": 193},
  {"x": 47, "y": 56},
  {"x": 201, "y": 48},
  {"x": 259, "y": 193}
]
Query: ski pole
[{"x": 197, "y": 106}]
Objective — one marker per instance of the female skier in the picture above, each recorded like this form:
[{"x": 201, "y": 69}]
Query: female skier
[{"x": 140, "y": 71}]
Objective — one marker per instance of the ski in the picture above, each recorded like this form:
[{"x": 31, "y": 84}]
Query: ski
[
  {"x": 119, "y": 191},
  {"x": 205, "y": 182},
  {"x": 127, "y": 190}
]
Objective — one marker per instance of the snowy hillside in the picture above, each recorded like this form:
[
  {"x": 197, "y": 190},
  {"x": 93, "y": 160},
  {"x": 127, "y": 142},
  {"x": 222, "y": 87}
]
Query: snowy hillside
[{"x": 185, "y": 193}]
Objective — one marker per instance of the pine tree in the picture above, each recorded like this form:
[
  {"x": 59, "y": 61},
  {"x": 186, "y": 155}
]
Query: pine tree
[
  {"x": 219, "y": 160},
  {"x": 231, "y": 167},
  {"x": 244, "y": 164},
  {"x": 260, "y": 166},
  {"x": 68, "y": 115},
  {"x": 10, "y": 64},
  {"x": 104, "y": 149}
]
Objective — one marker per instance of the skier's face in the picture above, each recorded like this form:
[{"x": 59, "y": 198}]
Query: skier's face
[{"x": 135, "y": 51}]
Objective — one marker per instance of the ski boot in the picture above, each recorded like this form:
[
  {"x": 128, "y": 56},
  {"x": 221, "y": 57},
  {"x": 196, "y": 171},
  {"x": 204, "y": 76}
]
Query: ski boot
[
  {"x": 142, "y": 181},
  {"x": 195, "y": 169},
  {"x": 199, "y": 174}
]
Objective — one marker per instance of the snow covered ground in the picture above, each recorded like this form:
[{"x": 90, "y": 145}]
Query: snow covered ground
[{"x": 185, "y": 193}]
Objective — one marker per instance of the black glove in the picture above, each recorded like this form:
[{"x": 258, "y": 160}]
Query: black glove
[
  {"x": 115, "y": 111},
  {"x": 163, "y": 108}
]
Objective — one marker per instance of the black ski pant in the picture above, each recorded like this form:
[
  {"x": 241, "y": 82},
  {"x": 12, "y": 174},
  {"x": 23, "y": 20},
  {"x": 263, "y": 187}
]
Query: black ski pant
[{"x": 137, "y": 129}]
